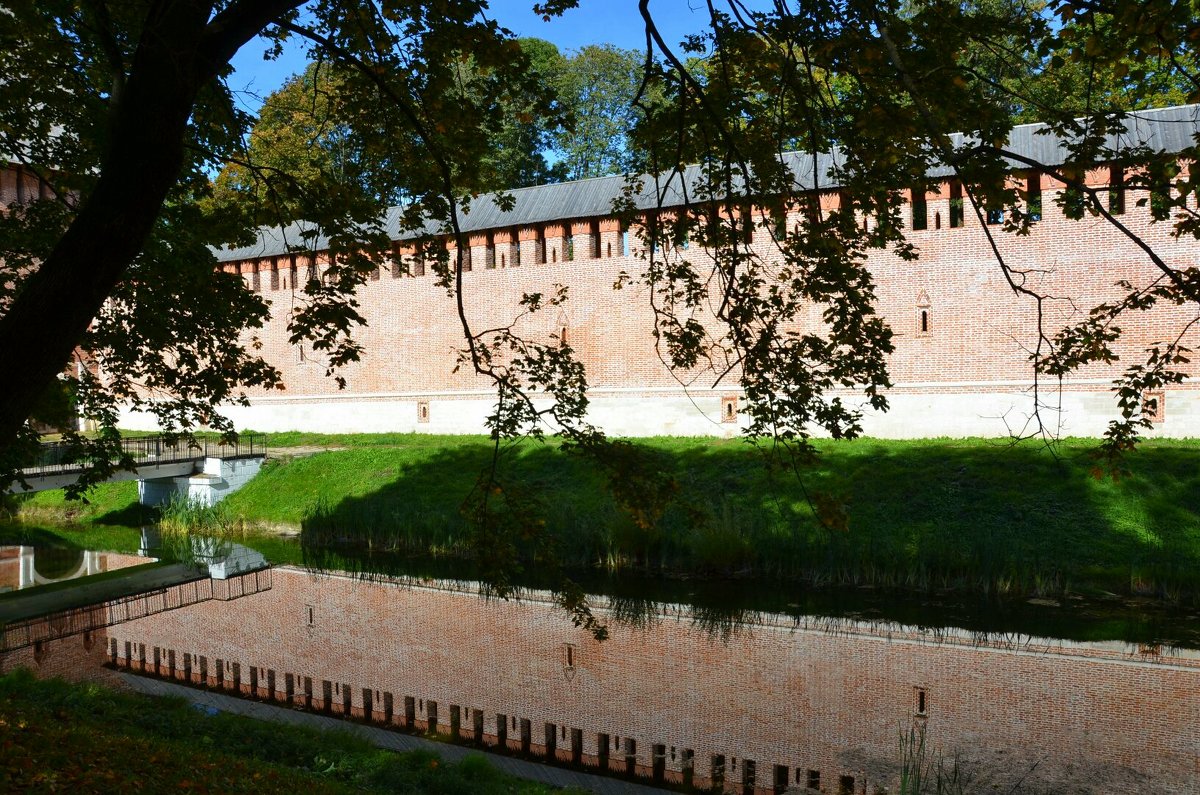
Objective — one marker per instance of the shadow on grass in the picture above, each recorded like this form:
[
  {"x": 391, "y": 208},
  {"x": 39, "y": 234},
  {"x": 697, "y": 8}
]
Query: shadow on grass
[
  {"x": 132, "y": 515},
  {"x": 927, "y": 516}
]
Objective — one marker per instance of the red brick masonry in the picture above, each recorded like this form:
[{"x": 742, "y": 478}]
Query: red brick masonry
[{"x": 826, "y": 700}]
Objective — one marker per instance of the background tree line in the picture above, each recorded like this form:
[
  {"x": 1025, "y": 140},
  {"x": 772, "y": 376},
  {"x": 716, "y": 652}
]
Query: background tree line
[{"x": 302, "y": 129}]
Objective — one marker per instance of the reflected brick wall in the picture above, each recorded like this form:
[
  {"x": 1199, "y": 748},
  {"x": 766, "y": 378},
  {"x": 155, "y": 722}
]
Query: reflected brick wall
[{"x": 825, "y": 703}]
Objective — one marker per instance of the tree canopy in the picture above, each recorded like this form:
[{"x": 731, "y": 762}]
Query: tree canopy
[
  {"x": 303, "y": 131},
  {"x": 122, "y": 111}
]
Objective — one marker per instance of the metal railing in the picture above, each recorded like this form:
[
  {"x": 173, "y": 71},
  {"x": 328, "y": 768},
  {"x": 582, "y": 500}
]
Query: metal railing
[{"x": 61, "y": 458}]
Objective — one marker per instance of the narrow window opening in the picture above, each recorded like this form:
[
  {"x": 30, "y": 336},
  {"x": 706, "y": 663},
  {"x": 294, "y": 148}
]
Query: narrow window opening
[
  {"x": 748, "y": 777},
  {"x": 1116, "y": 190},
  {"x": 602, "y": 750},
  {"x": 569, "y": 248},
  {"x": 553, "y": 255},
  {"x": 920, "y": 210},
  {"x": 956, "y": 205},
  {"x": 814, "y": 779},
  {"x": 1073, "y": 201},
  {"x": 781, "y": 778},
  {"x": 562, "y": 337},
  {"x": 489, "y": 255},
  {"x": 658, "y": 769},
  {"x": 729, "y": 408},
  {"x": 923, "y": 314},
  {"x": 503, "y": 261},
  {"x": 422, "y": 411},
  {"x": 501, "y": 730},
  {"x": 718, "y": 772},
  {"x": 551, "y": 741},
  {"x": 309, "y": 615},
  {"x": 594, "y": 239},
  {"x": 577, "y": 746},
  {"x": 625, "y": 243},
  {"x": 778, "y": 227},
  {"x": 526, "y": 735},
  {"x": 540, "y": 246},
  {"x": 1033, "y": 196},
  {"x": 630, "y": 756},
  {"x": 922, "y": 704},
  {"x": 410, "y": 712},
  {"x": 846, "y": 785},
  {"x": 1160, "y": 199},
  {"x": 609, "y": 249},
  {"x": 746, "y": 219},
  {"x": 515, "y": 251}
]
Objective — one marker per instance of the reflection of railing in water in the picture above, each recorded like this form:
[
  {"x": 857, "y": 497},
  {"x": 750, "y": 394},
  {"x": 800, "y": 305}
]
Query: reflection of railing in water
[{"x": 55, "y": 626}]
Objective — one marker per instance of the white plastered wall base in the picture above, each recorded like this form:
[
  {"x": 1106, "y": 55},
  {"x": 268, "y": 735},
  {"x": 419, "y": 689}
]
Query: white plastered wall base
[{"x": 913, "y": 414}]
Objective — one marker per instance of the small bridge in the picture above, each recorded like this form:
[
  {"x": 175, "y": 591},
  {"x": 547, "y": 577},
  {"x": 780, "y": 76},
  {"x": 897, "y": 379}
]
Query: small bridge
[{"x": 201, "y": 470}]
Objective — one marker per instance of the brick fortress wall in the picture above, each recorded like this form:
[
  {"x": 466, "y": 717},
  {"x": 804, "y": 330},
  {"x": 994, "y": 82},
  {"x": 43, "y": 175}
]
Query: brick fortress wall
[
  {"x": 823, "y": 703},
  {"x": 960, "y": 367}
]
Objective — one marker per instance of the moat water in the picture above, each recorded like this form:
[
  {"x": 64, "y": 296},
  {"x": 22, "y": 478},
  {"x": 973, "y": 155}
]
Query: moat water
[{"x": 744, "y": 683}]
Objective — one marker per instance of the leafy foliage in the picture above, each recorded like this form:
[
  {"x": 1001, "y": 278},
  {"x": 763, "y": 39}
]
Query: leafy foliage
[
  {"x": 88, "y": 738},
  {"x": 121, "y": 112}
]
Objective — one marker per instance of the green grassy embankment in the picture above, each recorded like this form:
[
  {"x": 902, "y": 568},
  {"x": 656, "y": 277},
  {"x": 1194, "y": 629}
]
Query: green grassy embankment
[
  {"x": 968, "y": 514},
  {"x": 59, "y": 737}
]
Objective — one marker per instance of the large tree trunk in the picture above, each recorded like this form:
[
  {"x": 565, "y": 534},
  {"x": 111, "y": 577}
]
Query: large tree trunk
[
  {"x": 59, "y": 301},
  {"x": 178, "y": 52}
]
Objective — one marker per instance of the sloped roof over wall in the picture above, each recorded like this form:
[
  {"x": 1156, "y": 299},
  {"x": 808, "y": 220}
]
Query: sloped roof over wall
[{"x": 1164, "y": 129}]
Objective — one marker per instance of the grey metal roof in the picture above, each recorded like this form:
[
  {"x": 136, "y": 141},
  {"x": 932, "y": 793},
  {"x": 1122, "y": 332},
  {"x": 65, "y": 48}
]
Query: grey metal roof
[{"x": 1163, "y": 129}]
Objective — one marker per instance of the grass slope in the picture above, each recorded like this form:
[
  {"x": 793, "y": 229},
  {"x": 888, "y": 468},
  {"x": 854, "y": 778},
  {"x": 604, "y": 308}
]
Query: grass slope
[
  {"x": 971, "y": 514},
  {"x": 59, "y": 737}
]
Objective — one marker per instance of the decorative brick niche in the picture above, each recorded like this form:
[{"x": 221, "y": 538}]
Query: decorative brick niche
[{"x": 729, "y": 408}]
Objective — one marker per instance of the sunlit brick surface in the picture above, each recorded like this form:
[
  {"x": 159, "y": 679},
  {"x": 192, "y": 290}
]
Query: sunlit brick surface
[{"x": 967, "y": 373}]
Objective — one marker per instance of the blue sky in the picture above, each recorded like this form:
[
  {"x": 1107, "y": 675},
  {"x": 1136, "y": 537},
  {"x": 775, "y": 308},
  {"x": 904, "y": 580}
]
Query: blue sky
[{"x": 594, "y": 22}]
